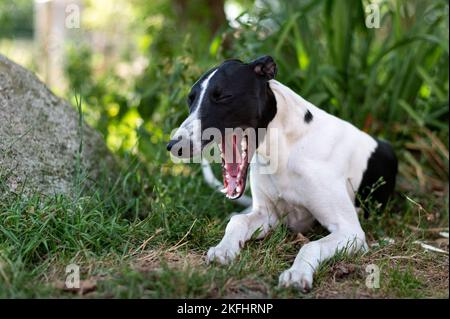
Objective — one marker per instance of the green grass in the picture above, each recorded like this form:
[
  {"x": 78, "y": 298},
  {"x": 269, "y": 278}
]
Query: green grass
[{"x": 146, "y": 236}]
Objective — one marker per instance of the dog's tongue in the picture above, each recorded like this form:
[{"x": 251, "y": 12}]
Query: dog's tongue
[
  {"x": 232, "y": 168},
  {"x": 232, "y": 171}
]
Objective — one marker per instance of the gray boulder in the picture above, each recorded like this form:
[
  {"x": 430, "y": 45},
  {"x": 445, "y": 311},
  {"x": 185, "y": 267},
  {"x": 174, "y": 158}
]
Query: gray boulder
[{"x": 40, "y": 139}]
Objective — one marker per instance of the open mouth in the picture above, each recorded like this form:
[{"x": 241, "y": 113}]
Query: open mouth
[{"x": 235, "y": 160}]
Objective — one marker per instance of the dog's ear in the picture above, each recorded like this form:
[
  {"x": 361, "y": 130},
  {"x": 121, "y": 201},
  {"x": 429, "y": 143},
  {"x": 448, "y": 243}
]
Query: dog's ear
[{"x": 265, "y": 66}]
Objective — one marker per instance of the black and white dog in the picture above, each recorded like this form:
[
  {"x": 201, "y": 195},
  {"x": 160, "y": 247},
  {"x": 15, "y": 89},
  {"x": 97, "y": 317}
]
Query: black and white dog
[{"x": 322, "y": 163}]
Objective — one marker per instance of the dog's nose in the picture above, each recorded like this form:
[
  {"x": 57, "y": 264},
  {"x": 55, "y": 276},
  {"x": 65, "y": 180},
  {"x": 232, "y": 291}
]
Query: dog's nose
[
  {"x": 180, "y": 147},
  {"x": 171, "y": 144}
]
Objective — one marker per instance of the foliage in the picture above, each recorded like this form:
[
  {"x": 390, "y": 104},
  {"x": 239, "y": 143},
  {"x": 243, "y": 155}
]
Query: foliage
[
  {"x": 16, "y": 18},
  {"x": 372, "y": 77},
  {"x": 390, "y": 81}
]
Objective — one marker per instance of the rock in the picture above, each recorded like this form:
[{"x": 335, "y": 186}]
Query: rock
[{"x": 40, "y": 138}]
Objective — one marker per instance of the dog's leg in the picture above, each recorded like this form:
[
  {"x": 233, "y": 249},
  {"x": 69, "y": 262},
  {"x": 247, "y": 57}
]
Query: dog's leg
[
  {"x": 240, "y": 229},
  {"x": 334, "y": 210}
]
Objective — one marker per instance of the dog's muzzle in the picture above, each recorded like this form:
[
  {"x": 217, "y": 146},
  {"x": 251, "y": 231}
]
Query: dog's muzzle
[{"x": 181, "y": 148}]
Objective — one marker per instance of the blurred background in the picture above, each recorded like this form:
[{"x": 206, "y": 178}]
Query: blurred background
[{"x": 133, "y": 62}]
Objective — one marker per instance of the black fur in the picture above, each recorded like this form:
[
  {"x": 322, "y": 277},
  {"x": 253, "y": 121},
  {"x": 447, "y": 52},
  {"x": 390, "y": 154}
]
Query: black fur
[
  {"x": 251, "y": 102},
  {"x": 308, "y": 116},
  {"x": 238, "y": 96},
  {"x": 382, "y": 164}
]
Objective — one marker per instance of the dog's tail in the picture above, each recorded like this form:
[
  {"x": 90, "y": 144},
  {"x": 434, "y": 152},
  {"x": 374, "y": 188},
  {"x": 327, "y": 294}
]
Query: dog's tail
[{"x": 214, "y": 183}]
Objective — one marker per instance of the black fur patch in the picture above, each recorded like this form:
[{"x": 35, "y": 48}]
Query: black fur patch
[
  {"x": 378, "y": 180},
  {"x": 308, "y": 116}
]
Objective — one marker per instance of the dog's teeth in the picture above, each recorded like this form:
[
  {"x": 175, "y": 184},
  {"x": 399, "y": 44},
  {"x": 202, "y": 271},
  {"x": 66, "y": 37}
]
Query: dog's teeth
[
  {"x": 223, "y": 190},
  {"x": 244, "y": 143},
  {"x": 234, "y": 196},
  {"x": 238, "y": 189},
  {"x": 244, "y": 154}
]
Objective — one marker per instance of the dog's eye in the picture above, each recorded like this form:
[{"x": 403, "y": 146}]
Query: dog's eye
[{"x": 219, "y": 97}]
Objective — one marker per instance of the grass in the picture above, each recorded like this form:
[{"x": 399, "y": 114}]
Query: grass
[{"x": 146, "y": 236}]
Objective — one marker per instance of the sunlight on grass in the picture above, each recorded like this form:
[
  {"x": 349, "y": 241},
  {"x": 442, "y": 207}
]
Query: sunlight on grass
[{"x": 123, "y": 135}]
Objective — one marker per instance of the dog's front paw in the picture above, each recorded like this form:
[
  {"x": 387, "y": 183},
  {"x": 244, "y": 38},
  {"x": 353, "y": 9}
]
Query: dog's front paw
[
  {"x": 301, "y": 280},
  {"x": 221, "y": 254}
]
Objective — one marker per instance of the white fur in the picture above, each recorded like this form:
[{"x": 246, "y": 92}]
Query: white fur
[
  {"x": 190, "y": 129},
  {"x": 320, "y": 167}
]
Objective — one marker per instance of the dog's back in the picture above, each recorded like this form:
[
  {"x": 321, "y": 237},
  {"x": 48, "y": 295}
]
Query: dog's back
[
  {"x": 368, "y": 164},
  {"x": 378, "y": 180}
]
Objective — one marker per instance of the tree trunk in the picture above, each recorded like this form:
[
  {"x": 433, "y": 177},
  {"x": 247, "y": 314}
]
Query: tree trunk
[{"x": 200, "y": 11}]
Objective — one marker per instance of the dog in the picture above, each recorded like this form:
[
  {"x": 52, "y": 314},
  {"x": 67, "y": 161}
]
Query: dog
[{"x": 325, "y": 167}]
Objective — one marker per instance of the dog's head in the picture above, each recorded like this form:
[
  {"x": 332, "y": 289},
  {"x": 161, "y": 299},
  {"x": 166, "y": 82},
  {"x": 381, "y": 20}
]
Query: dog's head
[{"x": 228, "y": 105}]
